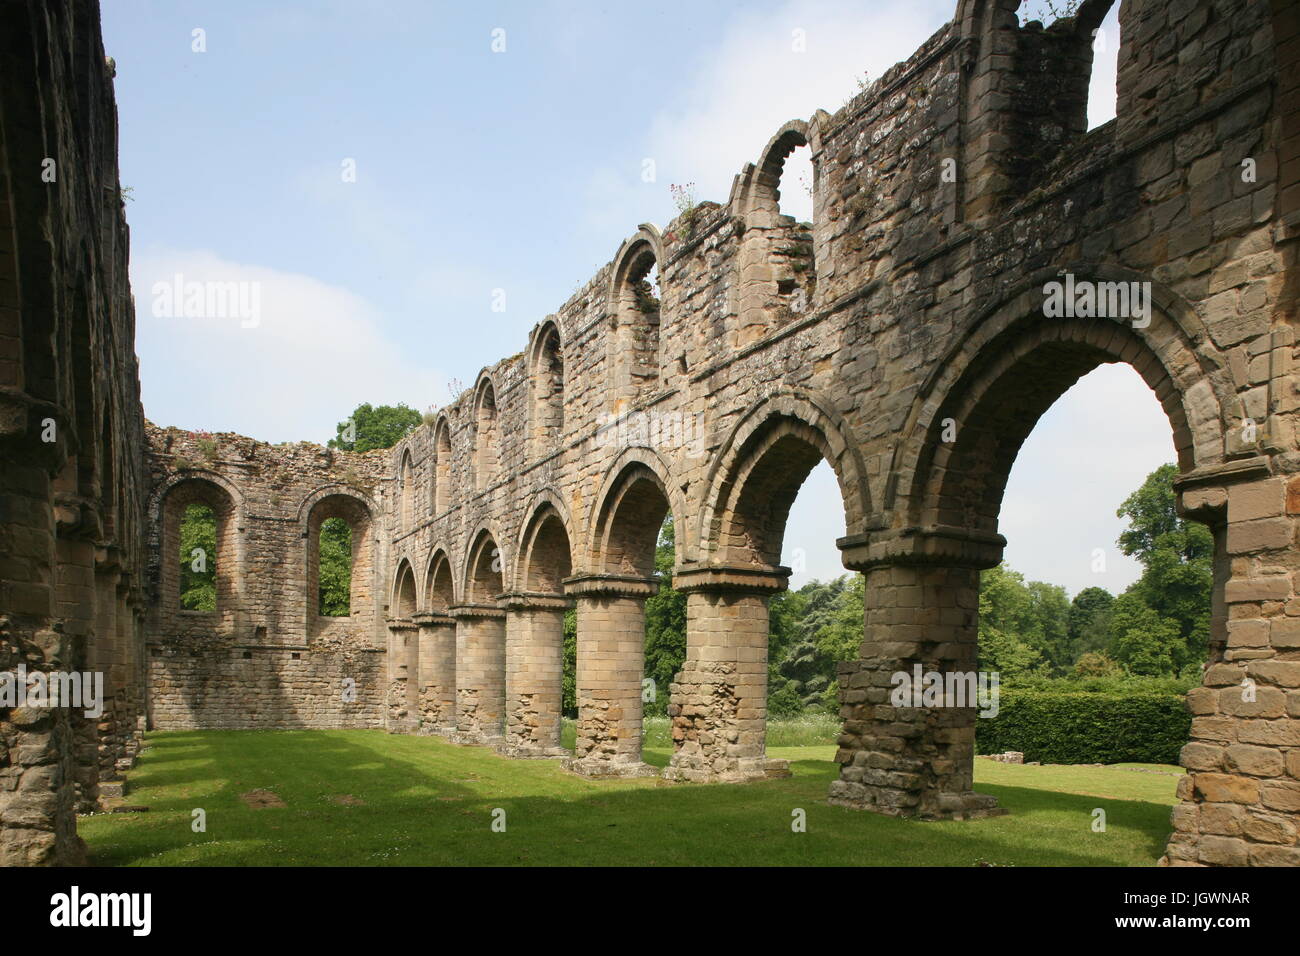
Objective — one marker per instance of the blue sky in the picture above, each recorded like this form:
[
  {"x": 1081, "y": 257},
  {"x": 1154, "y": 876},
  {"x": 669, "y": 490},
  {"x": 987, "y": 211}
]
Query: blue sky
[{"x": 478, "y": 170}]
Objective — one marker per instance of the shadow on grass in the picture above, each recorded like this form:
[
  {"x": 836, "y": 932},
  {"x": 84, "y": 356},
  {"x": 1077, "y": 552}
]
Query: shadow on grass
[{"x": 422, "y": 801}]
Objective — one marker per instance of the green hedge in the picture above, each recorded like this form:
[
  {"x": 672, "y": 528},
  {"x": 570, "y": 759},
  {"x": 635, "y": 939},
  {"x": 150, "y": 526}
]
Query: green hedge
[{"x": 1076, "y": 727}]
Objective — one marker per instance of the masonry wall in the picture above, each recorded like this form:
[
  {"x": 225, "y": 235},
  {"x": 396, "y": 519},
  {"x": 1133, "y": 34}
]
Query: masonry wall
[
  {"x": 72, "y": 487},
  {"x": 265, "y": 657}
]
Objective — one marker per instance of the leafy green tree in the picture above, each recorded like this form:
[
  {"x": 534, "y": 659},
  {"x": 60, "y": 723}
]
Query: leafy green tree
[
  {"x": 665, "y": 622},
  {"x": 1089, "y": 606},
  {"x": 569, "y": 681},
  {"x": 198, "y": 557},
  {"x": 375, "y": 426},
  {"x": 1177, "y": 579},
  {"x": 335, "y": 568}
]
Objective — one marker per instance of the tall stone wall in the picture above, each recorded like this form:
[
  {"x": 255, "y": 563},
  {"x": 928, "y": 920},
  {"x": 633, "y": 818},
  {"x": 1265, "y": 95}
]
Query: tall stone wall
[
  {"x": 72, "y": 484},
  {"x": 265, "y": 657},
  {"x": 905, "y": 336}
]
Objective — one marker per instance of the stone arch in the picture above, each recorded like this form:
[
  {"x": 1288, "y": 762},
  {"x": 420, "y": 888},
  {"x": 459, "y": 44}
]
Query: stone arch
[
  {"x": 634, "y": 498},
  {"x": 545, "y": 547},
  {"x": 634, "y": 315},
  {"x": 762, "y": 205},
  {"x": 759, "y": 469},
  {"x": 170, "y": 500},
  {"x": 487, "y": 438},
  {"x": 439, "y": 582},
  {"x": 546, "y": 388},
  {"x": 406, "y": 492},
  {"x": 358, "y": 511},
  {"x": 440, "y": 470},
  {"x": 482, "y": 582},
  {"x": 1173, "y": 354},
  {"x": 405, "y": 595}
]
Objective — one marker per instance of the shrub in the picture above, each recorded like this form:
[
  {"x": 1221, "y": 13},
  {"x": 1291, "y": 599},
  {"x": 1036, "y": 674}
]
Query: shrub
[{"x": 1055, "y": 726}]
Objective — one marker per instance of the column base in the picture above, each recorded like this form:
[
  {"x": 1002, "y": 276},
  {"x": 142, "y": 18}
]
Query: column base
[
  {"x": 901, "y": 803},
  {"x": 475, "y": 738},
  {"x": 403, "y": 725},
  {"x": 518, "y": 750},
  {"x": 436, "y": 730},
  {"x": 742, "y": 770},
  {"x": 596, "y": 767}
]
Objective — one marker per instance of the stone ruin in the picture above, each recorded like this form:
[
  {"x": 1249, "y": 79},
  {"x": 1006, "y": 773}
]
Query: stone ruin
[{"x": 904, "y": 337}]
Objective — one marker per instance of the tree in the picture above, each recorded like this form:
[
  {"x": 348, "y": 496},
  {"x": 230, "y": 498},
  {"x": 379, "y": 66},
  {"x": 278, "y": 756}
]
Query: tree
[
  {"x": 1177, "y": 579},
  {"x": 1088, "y": 621},
  {"x": 198, "y": 557},
  {"x": 665, "y": 622},
  {"x": 335, "y": 568},
  {"x": 375, "y": 426}
]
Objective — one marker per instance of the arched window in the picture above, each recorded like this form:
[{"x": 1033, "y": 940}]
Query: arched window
[
  {"x": 340, "y": 561},
  {"x": 442, "y": 467},
  {"x": 487, "y": 455},
  {"x": 200, "y": 533},
  {"x": 407, "y": 491},
  {"x": 634, "y": 336},
  {"x": 548, "y": 391}
]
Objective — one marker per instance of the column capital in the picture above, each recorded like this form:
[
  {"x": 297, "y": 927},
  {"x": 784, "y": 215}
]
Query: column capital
[
  {"x": 536, "y": 601},
  {"x": 610, "y": 585},
  {"x": 400, "y": 624},
  {"x": 467, "y": 611},
  {"x": 752, "y": 579},
  {"x": 433, "y": 619},
  {"x": 939, "y": 545}
]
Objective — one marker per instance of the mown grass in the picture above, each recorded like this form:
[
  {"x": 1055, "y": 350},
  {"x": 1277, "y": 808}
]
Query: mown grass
[{"x": 419, "y": 800}]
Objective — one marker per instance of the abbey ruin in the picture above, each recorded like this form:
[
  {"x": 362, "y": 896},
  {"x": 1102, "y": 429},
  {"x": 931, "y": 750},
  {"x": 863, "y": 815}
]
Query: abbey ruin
[{"x": 903, "y": 338}]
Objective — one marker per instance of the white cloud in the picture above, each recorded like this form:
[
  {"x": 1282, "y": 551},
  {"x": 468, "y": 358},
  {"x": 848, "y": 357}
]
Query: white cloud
[
  {"x": 753, "y": 83},
  {"x": 315, "y": 353}
]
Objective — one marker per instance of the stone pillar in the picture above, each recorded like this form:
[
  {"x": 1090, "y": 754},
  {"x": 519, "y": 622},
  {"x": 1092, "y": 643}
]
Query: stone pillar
[
  {"x": 611, "y": 662},
  {"x": 914, "y": 756},
  {"x": 719, "y": 698},
  {"x": 480, "y": 673},
  {"x": 437, "y": 673},
  {"x": 1240, "y": 799},
  {"x": 403, "y": 714},
  {"x": 534, "y": 674}
]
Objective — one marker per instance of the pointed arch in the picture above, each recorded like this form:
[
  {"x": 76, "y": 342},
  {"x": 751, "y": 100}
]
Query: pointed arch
[
  {"x": 439, "y": 582},
  {"x": 544, "y": 549},
  {"x": 759, "y": 469},
  {"x": 638, "y": 492},
  {"x": 405, "y": 597},
  {"x": 485, "y": 569}
]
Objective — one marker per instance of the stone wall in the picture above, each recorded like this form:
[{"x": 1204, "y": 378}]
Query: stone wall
[
  {"x": 904, "y": 336},
  {"x": 72, "y": 486},
  {"x": 265, "y": 657}
]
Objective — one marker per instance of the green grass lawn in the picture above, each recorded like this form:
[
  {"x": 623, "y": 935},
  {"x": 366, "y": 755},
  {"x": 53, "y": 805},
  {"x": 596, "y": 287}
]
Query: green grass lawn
[{"x": 356, "y": 797}]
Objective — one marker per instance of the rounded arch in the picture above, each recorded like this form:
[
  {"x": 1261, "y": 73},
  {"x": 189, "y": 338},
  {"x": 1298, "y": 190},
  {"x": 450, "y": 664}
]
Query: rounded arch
[
  {"x": 546, "y": 387},
  {"x": 545, "y": 547},
  {"x": 405, "y": 595},
  {"x": 357, "y": 511},
  {"x": 760, "y": 467},
  {"x": 762, "y": 200},
  {"x": 638, "y": 491},
  {"x": 486, "y": 568},
  {"x": 998, "y": 379},
  {"x": 439, "y": 582},
  {"x": 487, "y": 447},
  {"x": 168, "y": 505},
  {"x": 440, "y": 470},
  {"x": 634, "y": 316},
  {"x": 406, "y": 491}
]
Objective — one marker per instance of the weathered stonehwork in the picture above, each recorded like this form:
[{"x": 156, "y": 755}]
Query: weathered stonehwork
[
  {"x": 903, "y": 337},
  {"x": 266, "y": 657}
]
